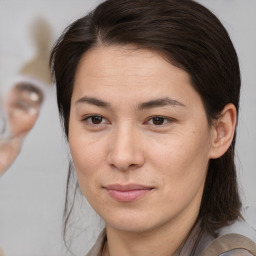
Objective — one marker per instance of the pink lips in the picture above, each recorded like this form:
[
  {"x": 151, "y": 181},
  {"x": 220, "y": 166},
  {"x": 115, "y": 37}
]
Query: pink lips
[{"x": 127, "y": 193}]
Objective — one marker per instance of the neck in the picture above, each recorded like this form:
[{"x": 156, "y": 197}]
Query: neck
[{"x": 161, "y": 241}]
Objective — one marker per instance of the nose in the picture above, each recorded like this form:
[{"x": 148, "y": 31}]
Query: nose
[{"x": 126, "y": 149}]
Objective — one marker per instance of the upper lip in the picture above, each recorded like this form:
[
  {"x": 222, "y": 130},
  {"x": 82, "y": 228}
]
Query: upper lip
[{"x": 127, "y": 187}]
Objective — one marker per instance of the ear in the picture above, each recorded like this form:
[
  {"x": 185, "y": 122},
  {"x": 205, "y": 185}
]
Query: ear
[{"x": 223, "y": 131}]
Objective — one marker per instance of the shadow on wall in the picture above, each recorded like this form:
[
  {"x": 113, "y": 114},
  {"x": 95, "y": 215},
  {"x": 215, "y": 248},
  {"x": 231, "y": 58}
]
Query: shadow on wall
[{"x": 38, "y": 67}]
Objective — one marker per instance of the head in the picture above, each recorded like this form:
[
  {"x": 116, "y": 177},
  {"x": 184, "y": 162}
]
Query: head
[{"x": 150, "y": 36}]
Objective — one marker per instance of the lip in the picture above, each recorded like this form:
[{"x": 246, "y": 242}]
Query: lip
[{"x": 128, "y": 192}]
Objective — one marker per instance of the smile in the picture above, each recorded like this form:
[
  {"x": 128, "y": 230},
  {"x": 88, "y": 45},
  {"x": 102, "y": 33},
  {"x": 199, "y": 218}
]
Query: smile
[{"x": 127, "y": 193}]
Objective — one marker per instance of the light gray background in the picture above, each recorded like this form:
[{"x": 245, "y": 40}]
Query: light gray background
[{"x": 32, "y": 191}]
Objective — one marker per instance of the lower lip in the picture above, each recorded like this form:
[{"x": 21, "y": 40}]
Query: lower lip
[{"x": 127, "y": 196}]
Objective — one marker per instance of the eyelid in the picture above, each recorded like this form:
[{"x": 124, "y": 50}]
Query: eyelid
[
  {"x": 167, "y": 120},
  {"x": 86, "y": 118}
]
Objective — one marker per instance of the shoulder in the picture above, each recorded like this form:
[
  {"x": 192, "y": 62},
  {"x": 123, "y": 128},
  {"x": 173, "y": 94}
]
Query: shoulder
[
  {"x": 236, "y": 239},
  {"x": 237, "y": 252}
]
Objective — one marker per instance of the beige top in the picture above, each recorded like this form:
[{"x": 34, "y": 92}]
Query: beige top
[{"x": 239, "y": 239}]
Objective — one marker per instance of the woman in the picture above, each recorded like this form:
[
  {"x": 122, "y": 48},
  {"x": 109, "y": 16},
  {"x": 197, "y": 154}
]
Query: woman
[{"x": 149, "y": 95}]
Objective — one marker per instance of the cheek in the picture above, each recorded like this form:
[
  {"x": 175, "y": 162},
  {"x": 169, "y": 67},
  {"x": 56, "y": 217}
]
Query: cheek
[
  {"x": 84, "y": 150},
  {"x": 85, "y": 155},
  {"x": 182, "y": 160},
  {"x": 86, "y": 160}
]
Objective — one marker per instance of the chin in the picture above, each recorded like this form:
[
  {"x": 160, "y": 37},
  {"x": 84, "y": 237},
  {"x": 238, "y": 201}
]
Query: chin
[
  {"x": 134, "y": 224},
  {"x": 131, "y": 227}
]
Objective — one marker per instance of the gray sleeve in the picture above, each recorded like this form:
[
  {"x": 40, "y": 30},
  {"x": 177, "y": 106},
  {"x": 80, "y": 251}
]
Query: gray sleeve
[
  {"x": 230, "y": 245},
  {"x": 237, "y": 252}
]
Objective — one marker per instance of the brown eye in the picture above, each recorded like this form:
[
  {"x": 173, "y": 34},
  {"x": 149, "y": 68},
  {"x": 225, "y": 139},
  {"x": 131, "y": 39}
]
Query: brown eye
[
  {"x": 158, "y": 120},
  {"x": 96, "y": 119},
  {"x": 95, "y": 122}
]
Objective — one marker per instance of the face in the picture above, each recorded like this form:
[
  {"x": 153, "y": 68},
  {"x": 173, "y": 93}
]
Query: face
[{"x": 139, "y": 139}]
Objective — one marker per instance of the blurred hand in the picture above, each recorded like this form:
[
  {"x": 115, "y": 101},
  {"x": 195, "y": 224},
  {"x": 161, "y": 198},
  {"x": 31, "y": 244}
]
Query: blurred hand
[
  {"x": 23, "y": 105},
  {"x": 9, "y": 150},
  {"x": 22, "y": 109}
]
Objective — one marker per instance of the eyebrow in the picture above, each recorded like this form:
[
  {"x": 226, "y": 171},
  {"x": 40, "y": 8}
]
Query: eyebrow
[
  {"x": 160, "y": 103},
  {"x": 93, "y": 101},
  {"x": 145, "y": 105}
]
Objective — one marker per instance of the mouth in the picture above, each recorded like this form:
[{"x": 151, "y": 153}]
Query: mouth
[{"x": 127, "y": 193}]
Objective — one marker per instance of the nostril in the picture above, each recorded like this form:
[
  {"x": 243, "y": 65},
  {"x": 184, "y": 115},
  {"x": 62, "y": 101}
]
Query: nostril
[{"x": 123, "y": 164}]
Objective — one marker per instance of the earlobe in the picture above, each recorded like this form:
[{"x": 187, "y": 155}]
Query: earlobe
[{"x": 223, "y": 131}]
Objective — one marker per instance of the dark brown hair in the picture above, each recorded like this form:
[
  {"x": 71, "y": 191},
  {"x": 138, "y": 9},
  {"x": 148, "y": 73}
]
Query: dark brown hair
[{"x": 190, "y": 37}]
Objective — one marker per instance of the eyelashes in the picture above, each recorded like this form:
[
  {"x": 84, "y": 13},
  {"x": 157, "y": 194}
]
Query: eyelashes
[
  {"x": 97, "y": 121},
  {"x": 159, "y": 120}
]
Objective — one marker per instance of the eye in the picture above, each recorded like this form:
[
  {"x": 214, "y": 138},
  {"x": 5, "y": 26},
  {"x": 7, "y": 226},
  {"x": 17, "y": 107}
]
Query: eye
[
  {"x": 95, "y": 120},
  {"x": 159, "y": 120}
]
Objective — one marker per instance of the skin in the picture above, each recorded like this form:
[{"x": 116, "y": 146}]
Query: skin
[
  {"x": 9, "y": 150},
  {"x": 123, "y": 130},
  {"x": 22, "y": 111}
]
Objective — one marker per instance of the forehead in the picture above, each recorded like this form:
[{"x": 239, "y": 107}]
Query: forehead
[
  {"x": 126, "y": 64},
  {"x": 132, "y": 74},
  {"x": 127, "y": 60}
]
